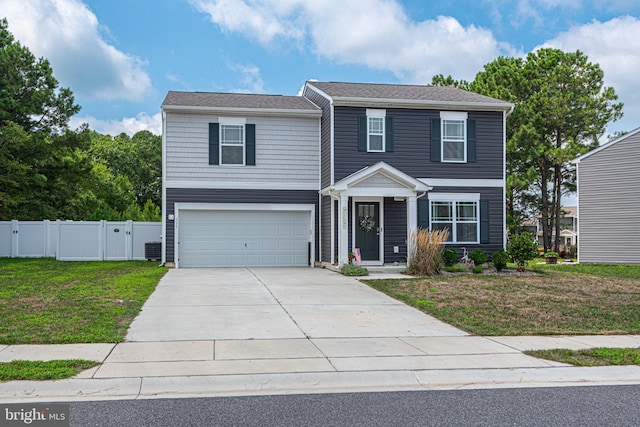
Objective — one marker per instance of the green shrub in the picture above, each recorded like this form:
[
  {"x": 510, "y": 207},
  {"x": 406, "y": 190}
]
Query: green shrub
[
  {"x": 354, "y": 270},
  {"x": 479, "y": 256},
  {"x": 500, "y": 259},
  {"x": 457, "y": 268},
  {"x": 426, "y": 251},
  {"x": 522, "y": 248},
  {"x": 551, "y": 254},
  {"x": 477, "y": 269},
  {"x": 450, "y": 257}
]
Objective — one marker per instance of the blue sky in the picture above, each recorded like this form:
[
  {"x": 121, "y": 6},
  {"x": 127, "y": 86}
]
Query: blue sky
[{"x": 120, "y": 57}]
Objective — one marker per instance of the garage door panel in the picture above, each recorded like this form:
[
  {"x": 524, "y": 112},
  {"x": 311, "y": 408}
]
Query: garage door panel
[{"x": 243, "y": 238}]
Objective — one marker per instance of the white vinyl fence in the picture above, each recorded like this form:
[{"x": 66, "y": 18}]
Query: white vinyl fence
[{"x": 78, "y": 241}]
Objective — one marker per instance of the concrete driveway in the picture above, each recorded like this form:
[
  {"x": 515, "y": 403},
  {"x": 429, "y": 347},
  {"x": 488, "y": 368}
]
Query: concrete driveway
[{"x": 274, "y": 303}]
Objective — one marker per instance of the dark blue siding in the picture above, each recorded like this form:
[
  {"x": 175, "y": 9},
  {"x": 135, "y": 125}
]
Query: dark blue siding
[
  {"x": 395, "y": 230},
  {"x": 412, "y": 151},
  {"x": 205, "y": 195},
  {"x": 496, "y": 222},
  {"x": 325, "y": 135},
  {"x": 325, "y": 232}
]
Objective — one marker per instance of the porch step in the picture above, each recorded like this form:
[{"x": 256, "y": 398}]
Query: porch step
[{"x": 386, "y": 269}]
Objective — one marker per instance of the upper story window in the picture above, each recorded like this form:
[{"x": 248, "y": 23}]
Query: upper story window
[
  {"x": 375, "y": 130},
  {"x": 454, "y": 136},
  {"x": 232, "y": 141}
]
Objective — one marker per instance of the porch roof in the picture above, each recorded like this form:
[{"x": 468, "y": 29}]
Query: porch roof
[{"x": 379, "y": 179}]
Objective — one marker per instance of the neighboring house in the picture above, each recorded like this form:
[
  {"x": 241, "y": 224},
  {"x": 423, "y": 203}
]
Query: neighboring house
[
  {"x": 258, "y": 180},
  {"x": 609, "y": 202},
  {"x": 568, "y": 228}
]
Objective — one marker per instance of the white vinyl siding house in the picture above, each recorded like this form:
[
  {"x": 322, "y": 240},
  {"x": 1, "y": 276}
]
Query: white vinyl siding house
[
  {"x": 287, "y": 152},
  {"x": 609, "y": 202}
]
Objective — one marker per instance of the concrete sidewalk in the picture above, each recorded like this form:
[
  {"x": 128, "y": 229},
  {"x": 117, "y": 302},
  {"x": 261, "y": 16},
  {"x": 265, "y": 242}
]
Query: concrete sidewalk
[{"x": 264, "y": 331}]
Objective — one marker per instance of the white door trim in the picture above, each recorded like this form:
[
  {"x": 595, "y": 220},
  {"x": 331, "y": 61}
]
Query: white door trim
[{"x": 380, "y": 200}]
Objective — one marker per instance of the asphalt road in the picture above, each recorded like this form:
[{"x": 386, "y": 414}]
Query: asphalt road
[{"x": 568, "y": 406}]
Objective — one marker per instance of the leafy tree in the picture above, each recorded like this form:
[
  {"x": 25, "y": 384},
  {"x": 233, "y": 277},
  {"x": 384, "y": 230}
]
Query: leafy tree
[
  {"x": 441, "y": 80},
  {"x": 41, "y": 160},
  {"x": 138, "y": 159},
  {"x": 561, "y": 110}
]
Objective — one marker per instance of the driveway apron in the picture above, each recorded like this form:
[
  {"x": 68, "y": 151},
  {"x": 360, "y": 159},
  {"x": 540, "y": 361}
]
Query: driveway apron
[{"x": 274, "y": 303}]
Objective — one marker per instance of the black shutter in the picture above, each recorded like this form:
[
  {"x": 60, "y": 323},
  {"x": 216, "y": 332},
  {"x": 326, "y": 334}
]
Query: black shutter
[
  {"x": 250, "y": 149},
  {"x": 423, "y": 212},
  {"x": 436, "y": 142},
  {"x": 484, "y": 221},
  {"x": 471, "y": 140},
  {"x": 388, "y": 137},
  {"x": 362, "y": 133},
  {"x": 214, "y": 143}
]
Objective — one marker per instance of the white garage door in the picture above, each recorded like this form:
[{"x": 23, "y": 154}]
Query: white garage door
[{"x": 243, "y": 238}]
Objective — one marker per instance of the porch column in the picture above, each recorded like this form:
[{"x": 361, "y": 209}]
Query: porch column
[
  {"x": 343, "y": 231},
  {"x": 412, "y": 222}
]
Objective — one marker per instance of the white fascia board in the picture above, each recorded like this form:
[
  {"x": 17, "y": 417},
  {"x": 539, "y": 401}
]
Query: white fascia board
[
  {"x": 449, "y": 197},
  {"x": 239, "y": 185},
  {"x": 607, "y": 145},
  {"x": 243, "y": 111},
  {"x": 416, "y": 103},
  {"x": 245, "y": 207},
  {"x": 378, "y": 192},
  {"x": 440, "y": 182}
]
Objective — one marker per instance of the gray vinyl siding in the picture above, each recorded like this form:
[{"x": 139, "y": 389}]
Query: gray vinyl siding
[
  {"x": 286, "y": 151},
  {"x": 609, "y": 203},
  {"x": 496, "y": 214},
  {"x": 191, "y": 195},
  {"x": 395, "y": 230},
  {"x": 325, "y": 143},
  {"x": 412, "y": 151}
]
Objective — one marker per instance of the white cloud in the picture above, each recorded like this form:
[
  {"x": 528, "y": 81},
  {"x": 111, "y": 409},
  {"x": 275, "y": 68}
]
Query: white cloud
[
  {"x": 380, "y": 35},
  {"x": 128, "y": 125},
  {"x": 67, "y": 33},
  {"x": 250, "y": 78},
  {"x": 614, "y": 45}
]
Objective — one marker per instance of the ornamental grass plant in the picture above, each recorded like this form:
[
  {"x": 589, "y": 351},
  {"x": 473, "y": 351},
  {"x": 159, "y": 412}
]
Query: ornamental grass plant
[{"x": 426, "y": 251}]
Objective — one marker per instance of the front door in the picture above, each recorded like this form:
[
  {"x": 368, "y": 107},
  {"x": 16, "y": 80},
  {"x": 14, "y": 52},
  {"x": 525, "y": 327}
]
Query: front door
[{"x": 367, "y": 226}]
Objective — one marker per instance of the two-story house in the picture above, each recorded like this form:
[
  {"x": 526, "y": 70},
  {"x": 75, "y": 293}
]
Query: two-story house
[{"x": 259, "y": 180}]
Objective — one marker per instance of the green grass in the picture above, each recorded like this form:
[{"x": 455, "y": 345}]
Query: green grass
[
  {"x": 44, "y": 301},
  {"x": 40, "y": 371},
  {"x": 591, "y": 357},
  {"x": 559, "y": 300}
]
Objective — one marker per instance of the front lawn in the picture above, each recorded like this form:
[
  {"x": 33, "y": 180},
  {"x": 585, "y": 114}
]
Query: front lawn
[
  {"x": 591, "y": 356},
  {"x": 44, "y": 301},
  {"x": 562, "y": 299},
  {"x": 39, "y": 371}
]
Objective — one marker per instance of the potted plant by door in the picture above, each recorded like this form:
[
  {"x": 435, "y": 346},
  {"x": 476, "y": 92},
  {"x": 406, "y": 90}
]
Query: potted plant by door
[{"x": 551, "y": 257}]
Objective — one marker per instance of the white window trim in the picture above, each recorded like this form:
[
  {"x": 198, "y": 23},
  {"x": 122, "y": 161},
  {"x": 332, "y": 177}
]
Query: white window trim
[
  {"x": 233, "y": 121},
  {"x": 453, "y": 115},
  {"x": 378, "y": 114},
  {"x": 455, "y": 198}
]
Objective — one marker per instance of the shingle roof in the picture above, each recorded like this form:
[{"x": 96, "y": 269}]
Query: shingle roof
[
  {"x": 237, "y": 101},
  {"x": 397, "y": 92}
]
